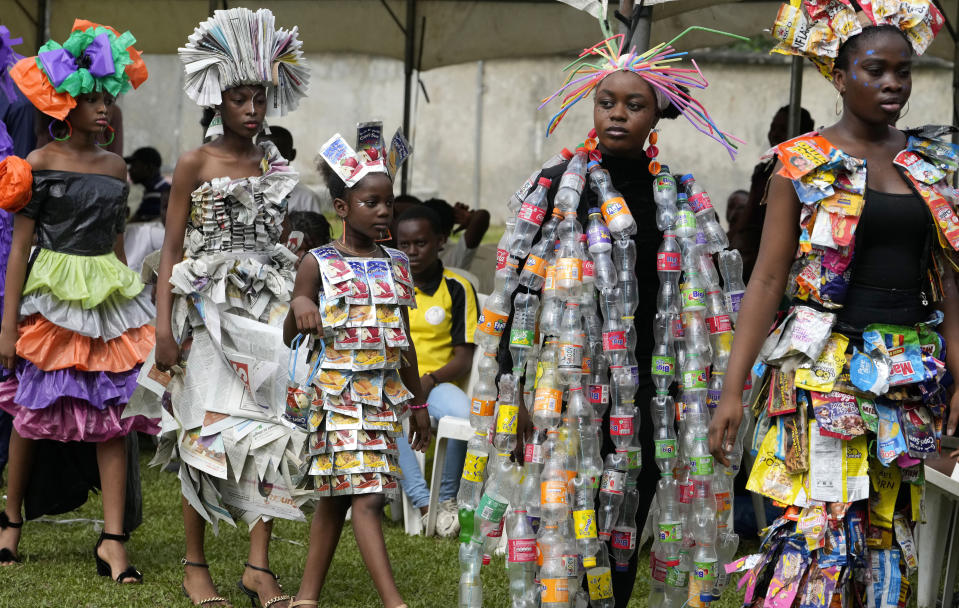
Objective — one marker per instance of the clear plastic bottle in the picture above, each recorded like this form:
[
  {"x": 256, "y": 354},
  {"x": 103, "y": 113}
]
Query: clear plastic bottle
[
  {"x": 695, "y": 334},
  {"x": 618, "y": 217},
  {"x": 474, "y": 471},
  {"x": 483, "y": 405},
  {"x": 540, "y": 256},
  {"x": 593, "y": 325},
  {"x": 663, "y": 366},
  {"x": 599, "y": 581},
  {"x": 597, "y": 392},
  {"x": 664, "y": 195},
  {"x": 611, "y": 489},
  {"x": 553, "y": 579},
  {"x": 552, "y": 310},
  {"x": 529, "y": 218},
  {"x": 622, "y": 541},
  {"x": 570, "y": 360},
  {"x": 584, "y": 520},
  {"x": 572, "y": 182},
  {"x": 497, "y": 495},
  {"x": 731, "y": 267},
  {"x": 621, "y": 419},
  {"x": 589, "y": 268},
  {"x": 522, "y": 334},
  {"x": 614, "y": 330},
  {"x": 471, "y": 584},
  {"x": 554, "y": 486},
  {"x": 720, "y": 328},
  {"x": 705, "y": 559},
  {"x": 624, "y": 258},
  {"x": 582, "y": 421},
  {"x": 516, "y": 200},
  {"x": 670, "y": 525},
  {"x": 502, "y": 248},
  {"x": 492, "y": 322},
  {"x": 521, "y": 559},
  {"x": 569, "y": 263},
  {"x": 705, "y": 214},
  {"x": 548, "y": 401},
  {"x": 599, "y": 238},
  {"x": 685, "y": 219},
  {"x": 664, "y": 435},
  {"x": 507, "y": 412}
]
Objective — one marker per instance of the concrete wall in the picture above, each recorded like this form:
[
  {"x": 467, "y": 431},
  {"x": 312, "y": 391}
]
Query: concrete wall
[{"x": 346, "y": 89}]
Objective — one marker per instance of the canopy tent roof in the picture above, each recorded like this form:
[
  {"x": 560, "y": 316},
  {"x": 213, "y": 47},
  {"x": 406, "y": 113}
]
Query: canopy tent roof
[{"x": 456, "y": 31}]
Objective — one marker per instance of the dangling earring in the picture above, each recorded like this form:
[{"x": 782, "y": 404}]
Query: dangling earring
[
  {"x": 838, "y": 104},
  {"x": 69, "y": 130},
  {"x": 265, "y": 128},
  {"x": 113, "y": 135},
  {"x": 216, "y": 126},
  {"x": 905, "y": 110},
  {"x": 387, "y": 238},
  {"x": 652, "y": 152}
]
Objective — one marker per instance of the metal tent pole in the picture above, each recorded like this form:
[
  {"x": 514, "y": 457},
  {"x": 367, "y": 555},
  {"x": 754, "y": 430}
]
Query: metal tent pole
[
  {"x": 478, "y": 138},
  {"x": 408, "y": 81},
  {"x": 643, "y": 28},
  {"x": 795, "y": 95}
]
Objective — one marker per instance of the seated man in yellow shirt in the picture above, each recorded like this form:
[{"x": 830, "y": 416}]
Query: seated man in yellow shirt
[{"x": 441, "y": 327}]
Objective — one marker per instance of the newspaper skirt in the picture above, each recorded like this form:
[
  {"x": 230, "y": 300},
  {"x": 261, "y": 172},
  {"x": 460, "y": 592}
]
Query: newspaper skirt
[
  {"x": 223, "y": 414},
  {"x": 84, "y": 333},
  {"x": 844, "y": 423}
]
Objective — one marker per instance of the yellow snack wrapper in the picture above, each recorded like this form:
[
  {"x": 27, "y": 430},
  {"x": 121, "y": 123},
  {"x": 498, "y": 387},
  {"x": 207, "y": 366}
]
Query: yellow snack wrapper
[
  {"x": 769, "y": 476},
  {"x": 821, "y": 376},
  {"x": 882, "y": 503}
]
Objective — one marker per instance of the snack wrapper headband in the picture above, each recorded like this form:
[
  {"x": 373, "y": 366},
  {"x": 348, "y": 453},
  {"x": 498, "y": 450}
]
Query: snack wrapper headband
[
  {"x": 94, "y": 58},
  {"x": 241, "y": 47},
  {"x": 656, "y": 66},
  {"x": 353, "y": 166},
  {"x": 817, "y": 28}
]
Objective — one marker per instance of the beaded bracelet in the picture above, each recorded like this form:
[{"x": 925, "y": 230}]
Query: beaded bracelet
[{"x": 419, "y": 407}]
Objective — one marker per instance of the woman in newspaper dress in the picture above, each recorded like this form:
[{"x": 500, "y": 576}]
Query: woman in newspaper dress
[{"x": 227, "y": 298}]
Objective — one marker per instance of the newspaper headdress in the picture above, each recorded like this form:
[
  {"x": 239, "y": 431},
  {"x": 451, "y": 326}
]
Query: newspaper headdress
[
  {"x": 352, "y": 166},
  {"x": 817, "y": 28},
  {"x": 241, "y": 47},
  {"x": 669, "y": 82},
  {"x": 94, "y": 58}
]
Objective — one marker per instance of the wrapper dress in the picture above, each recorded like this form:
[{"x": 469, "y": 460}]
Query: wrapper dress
[
  {"x": 231, "y": 294},
  {"x": 84, "y": 316},
  {"x": 851, "y": 399},
  {"x": 360, "y": 400}
]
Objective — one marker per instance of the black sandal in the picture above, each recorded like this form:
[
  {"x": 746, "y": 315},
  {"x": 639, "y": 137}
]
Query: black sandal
[
  {"x": 216, "y": 598},
  {"x": 6, "y": 555},
  {"x": 104, "y": 569},
  {"x": 253, "y": 595}
]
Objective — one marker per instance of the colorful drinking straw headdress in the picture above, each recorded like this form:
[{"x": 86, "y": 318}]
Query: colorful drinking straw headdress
[
  {"x": 94, "y": 58},
  {"x": 352, "y": 166},
  {"x": 241, "y": 47},
  {"x": 656, "y": 66},
  {"x": 817, "y": 28}
]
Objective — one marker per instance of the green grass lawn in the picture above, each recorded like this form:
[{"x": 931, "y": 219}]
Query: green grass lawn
[{"x": 58, "y": 567}]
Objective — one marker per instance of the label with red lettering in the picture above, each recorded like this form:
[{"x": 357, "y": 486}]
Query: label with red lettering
[
  {"x": 492, "y": 323},
  {"x": 700, "y": 202},
  {"x": 521, "y": 550},
  {"x": 598, "y": 394},
  {"x": 501, "y": 255},
  {"x": 614, "y": 340},
  {"x": 719, "y": 324},
  {"x": 623, "y": 539},
  {"x": 534, "y": 453},
  {"x": 531, "y": 213},
  {"x": 588, "y": 269},
  {"x": 536, "y": 265},
  {"x": 668, "y": 261},
  {"x": 613, "y": 481},
  {"x": 621, "y": 426}
]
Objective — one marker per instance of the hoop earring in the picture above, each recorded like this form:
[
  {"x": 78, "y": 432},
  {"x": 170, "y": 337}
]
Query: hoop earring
[
  {"x": 838, "y": 104},
  {"x": 652, "y": 152},
  {"x": 69, "y": 130},
  {"x": 113, "y": 135},
  {"x": 216, "y": 126}
]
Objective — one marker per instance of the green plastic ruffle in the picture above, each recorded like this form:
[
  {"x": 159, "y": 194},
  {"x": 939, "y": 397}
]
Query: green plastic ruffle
[{"x": 87, "y": 279}]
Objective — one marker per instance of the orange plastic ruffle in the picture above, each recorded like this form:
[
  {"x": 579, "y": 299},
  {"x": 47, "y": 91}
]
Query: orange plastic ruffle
[
  {"x": 51, "y": 347},
  {"x": 37, "y": 89},
  {"x": 16, "y": 183}
]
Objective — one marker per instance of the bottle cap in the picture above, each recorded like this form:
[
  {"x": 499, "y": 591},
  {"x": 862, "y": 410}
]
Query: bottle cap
[
  {"x": 706, "y": 597},
  {"x": 545, "y": 181},
  {"x": 589, "y": 562},
  {"x": 664, "y": 168},
  {"x": 582, "y": 238},
  {"x": 686, "y": 178},
  {"x": 592, "y": 132},
  {"x": 621, "y": 567},
  {"x": 592, "y": 164},
  {"x": 565, "y": 153},
  {"x": 593, "y": 210},
  {"x": 681, "y": 196}
]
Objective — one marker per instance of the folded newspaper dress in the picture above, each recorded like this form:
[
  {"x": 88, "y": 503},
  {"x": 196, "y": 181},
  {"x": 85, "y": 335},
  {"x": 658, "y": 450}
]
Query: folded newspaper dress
[
  {"x": 231, "y": 294},
  {"x": 359, "y": 400},
  {"x": 84, "y": 329}
]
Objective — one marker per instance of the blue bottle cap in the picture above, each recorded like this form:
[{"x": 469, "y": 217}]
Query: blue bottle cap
[
  {"x": 705, "y": 597},
  {"x": 591, "y": 164},
  {"x": 664, "y": 168},
  {"x": 593, "y": 210},
  {"x": 686, "y": 177}
]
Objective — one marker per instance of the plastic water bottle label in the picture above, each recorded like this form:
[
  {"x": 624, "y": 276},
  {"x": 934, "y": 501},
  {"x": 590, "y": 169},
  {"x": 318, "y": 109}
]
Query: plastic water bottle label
[
  {"x": 665, "y": 448},
  {"x": 553, "y": 492},
  {"x": 600, "y": 583},
  {"x": 570, "y": 355},
  {"x": 522, "y": 337},
  {"x": 623, "y": 539},
  {"x": 719, "y": 324},
  {"x": 521, "y": 550},
  {"x": 693, "y": 297},
  {"x": 702, "y": 465},
  {"x": 587, "y": 365},
  {"x": 482, "y": 407},
  {"x": 598, "y": 394},
  {"x": 550, "y": 282},
  {"x": 492, "y": 323},
  {"x": 621, "y": 426},
  {"x": 675, "y": 577},
  {"x": 695, "y": 379},
  {"x": 597, "y": 235},
  {"x": 548, "y": 400},
  {"x": 554, "y": 590},
  {"x": 535, "y": 265},
  {"x": 686, "y": 493},
  {"x": 613, "y": 481},
  {"x": 572, "y": 179},
  {"x": 613, "y": 208},
  {"x": 668, "y": 261},
  {"x": 676, "y": 328},
  {"x": 584, "y": 524},
  {"x": 571, "y": 563},
  {"x": 506, "y": 419},
  {"x": 569, "y": 269},
  {"x": 634, "y": 457},
  {"x": 614, "y": 340},
  {"x": 501, "y": 255},
  {"x": 723, "y": 503},
  {"x": 712, "y": 398},
  {"x": 685, "y": 222},
  {"x": 733, "y": 300},
  {"x": 589, "y": 270},
  {"x": 671, "y": 532},
  {"x": 664, "y": 366},
  {"x": 531, "y": 213},
  {"x": 534, "y": 453},
  {"x": 700, "y": 202},
  {"x": 704, "y": 571},
  {"x": 657, "y": 567},
  {"x": 474, "y": 467},
  {"x": 490, "y": 509}
]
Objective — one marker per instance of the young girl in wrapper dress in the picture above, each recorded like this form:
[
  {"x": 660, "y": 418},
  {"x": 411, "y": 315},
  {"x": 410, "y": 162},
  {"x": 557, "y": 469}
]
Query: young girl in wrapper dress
[{"x": 352, "y": 294}]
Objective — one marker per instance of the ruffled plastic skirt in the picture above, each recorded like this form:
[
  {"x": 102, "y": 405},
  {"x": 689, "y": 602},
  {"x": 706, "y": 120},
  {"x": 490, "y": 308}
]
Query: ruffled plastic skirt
[{"x": 83, "y": 338}]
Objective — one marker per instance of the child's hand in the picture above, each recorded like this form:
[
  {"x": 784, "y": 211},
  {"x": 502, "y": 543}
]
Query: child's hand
[
  {"x": 8, "y": 348},
  {"x": 420, "y": 431},
  {"x": 306, "y": 314}
]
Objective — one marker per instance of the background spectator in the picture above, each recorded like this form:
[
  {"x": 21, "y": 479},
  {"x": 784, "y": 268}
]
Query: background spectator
[
  {"x": 460, "y": 218},
  {"x": 301, "y": 198},
  {"x": 144, "y": 169}
]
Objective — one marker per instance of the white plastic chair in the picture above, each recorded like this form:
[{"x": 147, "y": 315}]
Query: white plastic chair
[
  {"x": 448, "y": 428},
  {"x": 938, "y": 539},
  {"x": 411, "y": 515}
]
